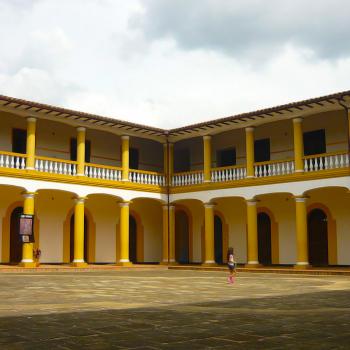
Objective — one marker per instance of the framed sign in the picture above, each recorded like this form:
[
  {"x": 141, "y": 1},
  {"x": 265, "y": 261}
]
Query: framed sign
[{"x": 26, "y": 228}]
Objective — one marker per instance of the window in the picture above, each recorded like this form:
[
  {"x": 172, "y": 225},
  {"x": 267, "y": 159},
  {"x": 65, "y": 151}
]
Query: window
[
  {"x": 226, "y": 157},
  {"x": 182, "y": 160},
  {"x": 133, "y": 158},
  {"x": 19, "y": 141},
  {"x": 314, "y": 142},
  {"x": 73, "y": 150},
  {"x": 262, "y": 150}
]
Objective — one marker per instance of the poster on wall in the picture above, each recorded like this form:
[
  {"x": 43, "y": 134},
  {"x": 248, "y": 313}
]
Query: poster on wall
[{"x": 26, "y": 228}]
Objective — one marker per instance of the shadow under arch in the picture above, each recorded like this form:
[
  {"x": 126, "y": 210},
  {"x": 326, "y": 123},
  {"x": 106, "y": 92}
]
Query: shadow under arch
[
  {"x": 91, "y": 236},
  {"x": 331, "y": 231},
  {"x": 183, "y": 240},
  {"x": 136, "y": 236}
]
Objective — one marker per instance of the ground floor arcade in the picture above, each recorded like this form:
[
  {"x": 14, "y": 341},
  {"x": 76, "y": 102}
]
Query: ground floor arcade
[{"x": 268, "y": 229}]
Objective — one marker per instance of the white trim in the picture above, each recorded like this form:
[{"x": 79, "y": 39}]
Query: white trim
[
  {"x": 125, "y": 137},
  {"x": 124, "y": 260},
  {"x": 297, "y": 120},
  {"x": 206, "y": 137},
  {"x": 31, "y": 119},
  {"x": 303, "y": 263},
  {"x": 27, "y": 260},
  {"x": 81, "y": 129},
  {"x": 209, "y": 262},
  {"x": 253, "y": 263},
  {"x": 78, "y": 261}
]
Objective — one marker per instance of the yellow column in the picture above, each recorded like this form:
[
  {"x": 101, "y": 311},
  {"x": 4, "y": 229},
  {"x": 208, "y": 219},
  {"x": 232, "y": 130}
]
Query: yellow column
[
  {"x": 207, "y": 158},
  {"x": 81, "y": 151},
  {"x": 79, "y": 260},
  {"x": 301, "y": 232},
  {"x": 31, "y": 128},
  {"x": 172, "y": 234},
  {"x": 125, "y": 158},
  {"x": 209, "y": 258},
  {"x": 124, "y": 234},
  {"x": 252, "y": 233},
  {"x": 27, "y": 248},
  {"x": 298, "y": 145},
  {"x": 249, "y": 146},
  {"x": 165, "y": 235}
]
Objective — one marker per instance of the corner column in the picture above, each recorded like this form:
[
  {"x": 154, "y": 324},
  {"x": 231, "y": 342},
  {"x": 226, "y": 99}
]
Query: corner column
[
  {"x": 165, "y": 245},
  {"x": 298, "y": 145},
  {"x": 209, "y": 259},
  {"x": 79, "y": 259},
  {"x": 81, "y": 151},
  {"x": 27, "y": 248},
  {"x": 301, "y": 233},
  {"x": 168, "y": 149},
  {"x": 252, "y": 233},
  {"x": 125, "y": 158},
  {"x": 31, "y": 130},
  {"x": 124, "y": 235},
  {"x": 249, "y": 146},
  {"x": 207, "y": 158},
  {"x": 172, "y": 235}
]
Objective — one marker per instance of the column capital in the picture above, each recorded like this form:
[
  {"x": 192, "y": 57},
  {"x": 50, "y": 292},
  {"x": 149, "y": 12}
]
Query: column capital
[
  {"x": 170, "y": 144},
  {"x": 249, "y": 129},
  {"x": 207, "y": 137},
  {"x": 124, "y": 204},
  {"x": 171, "y": 207},
  {"x": 125, "y": 137},
  {"x": 301, "y": 199},
  {"x": 209, "y": 205},
  {"x": 251, "y": 201},
  {"x": 79, "y": 200},
  {"x": 29, "y": 194},
  {"x": 81, "y": 129},
  {"x": 31, "y": 119},
  {"x": 297, "y": 120}
]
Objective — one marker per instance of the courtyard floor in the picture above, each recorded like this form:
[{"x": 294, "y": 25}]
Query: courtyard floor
[{"x": 173, "y": 309}]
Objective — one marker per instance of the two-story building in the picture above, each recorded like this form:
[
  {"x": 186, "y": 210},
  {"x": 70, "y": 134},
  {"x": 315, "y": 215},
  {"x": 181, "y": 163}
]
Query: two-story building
[{"x": 273, "y": 184}]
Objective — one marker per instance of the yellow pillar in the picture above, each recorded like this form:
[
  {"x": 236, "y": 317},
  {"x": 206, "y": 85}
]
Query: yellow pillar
[
  {"x": 79, "y": 260},
  {"x": 124, "y": 235},
  {"x": 81, "y": 151},
  {"x": 298, "y": 145},
  {"x": 125, "y": 158},
  {"x": 31, "y": 128},
  {"x": 249, "y": 146},
  {"x": 172, "y": 234},
  {"x": 301, "y": 232},
  {"x": 165, "y": 249},
  {"x": 252, "y": 233},
  {"x": 209, "y": 258},
  {"x": 207, "y": 158},
  {"x": 168, "y": 161},
  {"x": 27, "y": 248}
]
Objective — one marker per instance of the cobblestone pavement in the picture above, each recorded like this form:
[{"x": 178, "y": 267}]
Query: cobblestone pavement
[{"x": 167, "y": 309}]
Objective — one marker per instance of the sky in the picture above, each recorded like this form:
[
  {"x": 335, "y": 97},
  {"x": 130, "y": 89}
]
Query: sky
[{"x": 170, "y": 63}]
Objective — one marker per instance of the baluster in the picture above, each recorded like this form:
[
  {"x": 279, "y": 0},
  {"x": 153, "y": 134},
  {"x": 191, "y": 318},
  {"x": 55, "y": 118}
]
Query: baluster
[
  {"x": 341, "y": 163},
  {"x": 1, "y": 160},
  {"x": 330, "y": 162},
  {"x": 311, "y": 164},
  {"x": 317, "y": 164},
  {"x": 321, "y": 163},
  {"x": 347, "y": 159},
  {"x": 94, "y": 172},
  {"x": 306, "y": 167},
  {"x": 326, "y": 162},
  {"x": 103, "y": 173},
  {"x": 7, "y": 161},
  {"x": 17, "y": 162},
  {"x": 256, "y": 171},
  {"x": 12, "y": 162},
  {"x": 336, "y": 162}
]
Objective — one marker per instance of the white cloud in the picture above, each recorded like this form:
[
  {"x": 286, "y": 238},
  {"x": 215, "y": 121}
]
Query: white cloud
[{"x": 91, "y": 56}]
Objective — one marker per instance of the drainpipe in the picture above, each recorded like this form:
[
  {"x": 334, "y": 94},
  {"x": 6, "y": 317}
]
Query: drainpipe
[
  {"x": 166, "y": 133},
  {"x": 346, "y": 108}
]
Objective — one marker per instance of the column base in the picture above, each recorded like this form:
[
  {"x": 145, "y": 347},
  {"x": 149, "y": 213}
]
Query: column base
[
  {"x": 209, "y": 264},
  {"x": 124, "y": 263},
  {"x": 79, "y": 264},
  {"x": 28, "y": 264},
  {"x": 253, "y": 265},
  {"x": 302, "y": 266},
  {"x": 169, "y": 263}
]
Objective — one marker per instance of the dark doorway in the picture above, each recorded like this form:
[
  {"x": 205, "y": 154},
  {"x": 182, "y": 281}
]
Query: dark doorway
[
  {"x": 15, "y": 241},
  {"x": 19, "y": 141},
  {"x": 262, "y": 150},
  {"x": 314, "y": 142},
  {"x": 218, "y": 240},
  {"x": 182, "y": 237},
  {"x": 73, "y": 150},
  {"x": 86, "y": 255},
  {"x": 134, "y": 158},
  {"x": 226, "y": 157},
  {"x": 132, "y": 239},
  {"x": 182, "y": 160},
  {"x": 264, "y": 239},
  {"x": 318, "y": 237}
]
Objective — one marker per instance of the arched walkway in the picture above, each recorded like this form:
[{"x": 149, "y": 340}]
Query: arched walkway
[
  {"x": 182, "y": 237},
  {"x": 136, "y": 238},
  {"x": 15, "y": 239},
  {"x": 264, "y": 239}
]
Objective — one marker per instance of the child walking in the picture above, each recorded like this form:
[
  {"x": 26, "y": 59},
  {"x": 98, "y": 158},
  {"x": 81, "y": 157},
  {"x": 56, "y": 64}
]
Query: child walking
[{"x": 231, "y": 263}]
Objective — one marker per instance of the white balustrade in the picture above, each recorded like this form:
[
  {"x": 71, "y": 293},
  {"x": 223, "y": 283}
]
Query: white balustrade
[
  {"x": 13, "y": 161},
  {"x": 326, "y": 162},
  {"x": 228, "y": 174},
  {"x": 274, "y": 168},
  {"x": 60, "y": 166},
  {"x": 147, "y": 178},
  {"x": 103, "y": 173},
  {"x": 186, "y": 179}
]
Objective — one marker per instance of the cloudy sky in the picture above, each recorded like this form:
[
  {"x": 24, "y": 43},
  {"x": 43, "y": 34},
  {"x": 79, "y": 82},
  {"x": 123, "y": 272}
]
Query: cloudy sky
[{"x": 169, "y": 63}]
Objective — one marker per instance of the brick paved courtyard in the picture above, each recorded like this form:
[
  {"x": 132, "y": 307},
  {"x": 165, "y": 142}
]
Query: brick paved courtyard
[{"x": 167, "y": 309}]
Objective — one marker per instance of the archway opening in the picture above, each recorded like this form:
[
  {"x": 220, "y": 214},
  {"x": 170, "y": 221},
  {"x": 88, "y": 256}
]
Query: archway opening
[
  {"x": 218, "y": 240},
  {"x": 15, "y": 241},
  {"x": 71, "y": 246},
  {"x": 132, "y": 239},
  {"x": 182, "y": 237},
  {"x": 264, "y": 239},
  {"x": 318, "y": 237}
]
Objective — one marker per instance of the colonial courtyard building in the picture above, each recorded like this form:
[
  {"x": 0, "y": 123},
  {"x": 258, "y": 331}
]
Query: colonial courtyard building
[{"x": 273, "y": 184}]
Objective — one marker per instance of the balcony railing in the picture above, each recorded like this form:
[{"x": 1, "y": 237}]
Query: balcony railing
[
  {"x": 326, "y": 161},
  {"x": 146, "y": 177},
  {"x": 103, "y": 172},
  {"x": 231, "y": 173},
  {"x": 274, "y": 168},
  {"x": 55, "y": 166},
  {"x": 12, "y": 160},
  {"x": 188, "y": 178}
]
